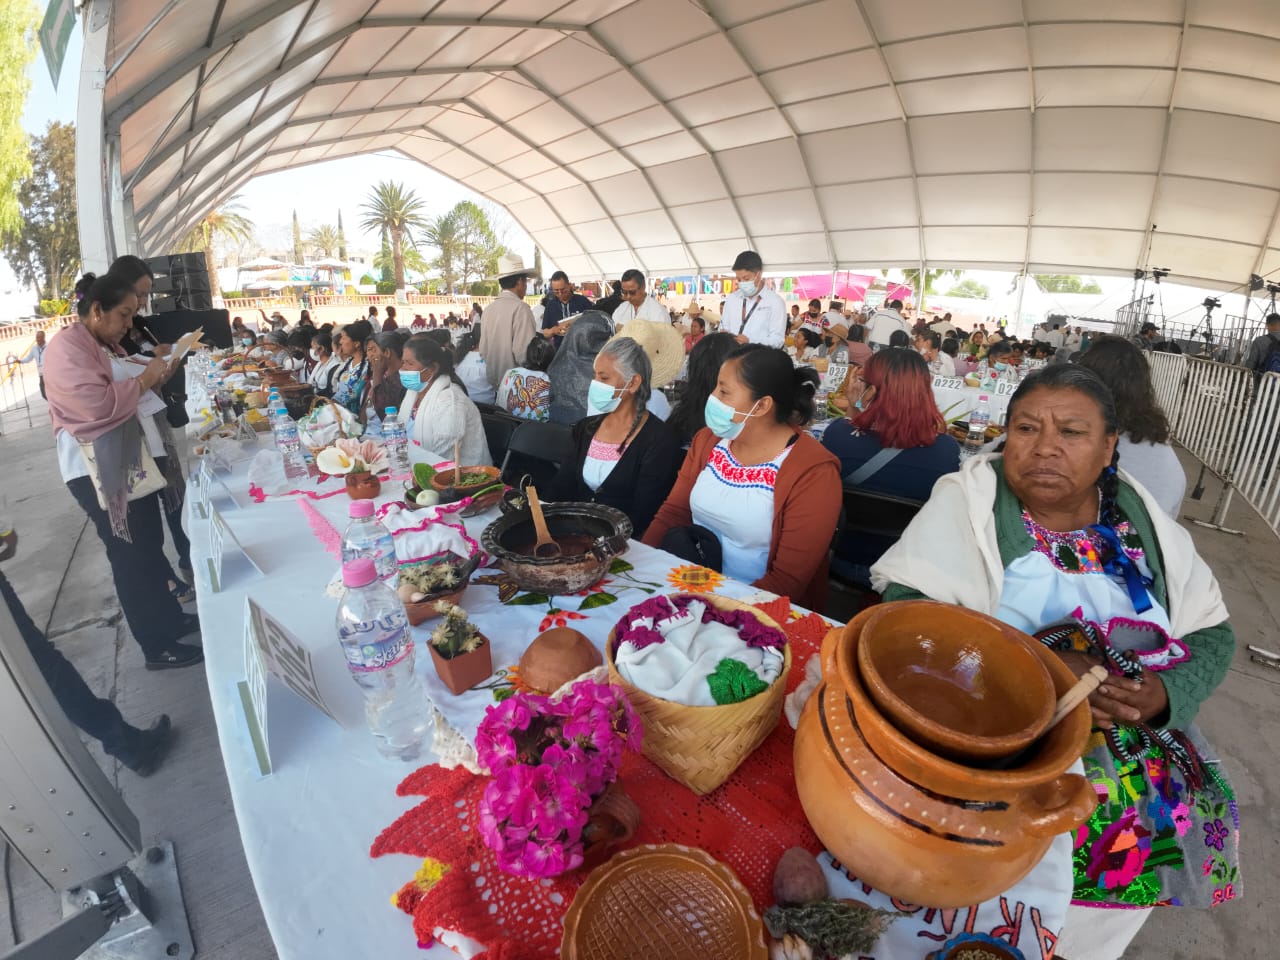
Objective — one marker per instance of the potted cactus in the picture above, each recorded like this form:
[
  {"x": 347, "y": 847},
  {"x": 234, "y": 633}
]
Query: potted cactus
[{"x": 461, "y": 653}]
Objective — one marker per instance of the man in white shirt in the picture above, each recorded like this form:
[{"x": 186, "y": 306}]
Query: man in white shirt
[
  {"x": 884, "y": 322},
  {"x": 1055, "y": 337},
  {"x": 36, "y": 353},
  {"x": 636, "y": 304},
  {"x": 753, "y": 313},
  {"x": 834, "y": 315}
]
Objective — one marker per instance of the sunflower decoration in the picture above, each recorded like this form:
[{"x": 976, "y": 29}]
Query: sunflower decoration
[{"x": 692, "y": 578}]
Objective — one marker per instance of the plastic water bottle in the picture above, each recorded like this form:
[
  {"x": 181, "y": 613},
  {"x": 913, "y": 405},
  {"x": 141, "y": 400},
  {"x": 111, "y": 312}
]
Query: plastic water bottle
[
  {"x": 289, "y": 445},
  {"x": 979, "y": 418},
  {"x": 395, "y": 440},
  {"x": 367, "y": 536},
  {"x": 372, "y": 425},
  {"x": 274, "y": 403},
  {"x": 374, "y": 632}
]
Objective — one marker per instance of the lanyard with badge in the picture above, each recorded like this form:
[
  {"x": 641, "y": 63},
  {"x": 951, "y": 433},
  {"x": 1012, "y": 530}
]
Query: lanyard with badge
[{"x": 746, "y": 314}]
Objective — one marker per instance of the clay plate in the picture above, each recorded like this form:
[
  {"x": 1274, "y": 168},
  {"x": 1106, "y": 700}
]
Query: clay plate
[{"x": 664, "y": 901}]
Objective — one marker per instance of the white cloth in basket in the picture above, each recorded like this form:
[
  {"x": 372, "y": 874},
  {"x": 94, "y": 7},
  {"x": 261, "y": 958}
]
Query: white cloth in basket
[{"x": 677, "y": 669}]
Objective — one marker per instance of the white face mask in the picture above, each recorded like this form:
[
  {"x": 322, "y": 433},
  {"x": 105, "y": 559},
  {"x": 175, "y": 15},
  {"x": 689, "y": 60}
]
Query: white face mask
[
  {"x": 315, "y": 354},
  {"x": 749, "y": 288}
]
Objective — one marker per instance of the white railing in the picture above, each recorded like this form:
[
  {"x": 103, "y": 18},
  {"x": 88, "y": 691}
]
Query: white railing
[
  {"x": 1255, "y": 470},
  {"x": 1168, "y": 374},
  {"x": 1214, "y": 404}
]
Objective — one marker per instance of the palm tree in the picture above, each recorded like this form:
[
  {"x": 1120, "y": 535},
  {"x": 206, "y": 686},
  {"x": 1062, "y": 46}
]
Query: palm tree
[
  {"x": 389, "y": 206},
  {"x": 413, "y": 260},
  {"x": 228, "y": 223},
  {"x": 442, "y": 233},
  {"x": 323, "y": 240}
]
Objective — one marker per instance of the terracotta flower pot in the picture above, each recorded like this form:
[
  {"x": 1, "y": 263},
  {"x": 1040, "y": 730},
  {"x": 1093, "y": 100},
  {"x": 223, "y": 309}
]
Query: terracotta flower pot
[
  {"x": 363, "y": 486},
  {"x": 464, "y": 671},
  {"x": 916, "y": 825},
  {"x": 612, "y": 820}
]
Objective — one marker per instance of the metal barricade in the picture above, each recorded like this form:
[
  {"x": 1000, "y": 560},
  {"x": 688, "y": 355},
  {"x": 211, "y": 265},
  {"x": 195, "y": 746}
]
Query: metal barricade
[
  {"x": 1215, "y": 403},
  {"x": 1255, "y": 469},
  {"x": 14, "y": 388},
  {"x": 1168, "y": 374}
]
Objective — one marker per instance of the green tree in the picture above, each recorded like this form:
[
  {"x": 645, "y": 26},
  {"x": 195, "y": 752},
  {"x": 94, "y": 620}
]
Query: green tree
[
  {"x": 44, "y": 249},
  {"x": 441, "y": 233},
  {"x": 478, "y": 247},
  {"x": 323, "y": 240},
  {"x": 342, "y": 239},
  {"x": 297, "y": 240},
  {"x": 400, "y": 212},
  {"x": 911, "y": 277},
  {"x": 413, "y": 260},
  {"x": 18, "y": 22},
  {"x": 225, "y": 224},
  {"x": 970, "y": 288},
  {"x": 1066, "y": 283}
]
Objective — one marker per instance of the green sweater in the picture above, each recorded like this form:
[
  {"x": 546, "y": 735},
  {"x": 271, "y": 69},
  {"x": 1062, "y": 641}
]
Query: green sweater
[{"x": 1188, "y": 684}]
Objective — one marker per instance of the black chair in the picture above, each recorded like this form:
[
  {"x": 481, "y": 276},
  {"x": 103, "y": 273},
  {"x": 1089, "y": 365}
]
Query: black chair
[
  {"x": 499, "y": 427},
  {"x": 881, "y": 516},
  {"x": 537, "y": 448}
]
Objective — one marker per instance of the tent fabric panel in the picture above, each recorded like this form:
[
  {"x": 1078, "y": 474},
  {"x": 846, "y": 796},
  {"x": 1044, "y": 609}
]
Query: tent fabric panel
[
  {"x": 886, "y": 203},
  {"x": 668, "y": 149},
  {"x": 1196, "y": 147},
  {"x": 1107, "y": 201},
  {"x": 977, "y": 199},
  {"x": 710, "y": 220},
  {"x": 1203, "y": 208}
]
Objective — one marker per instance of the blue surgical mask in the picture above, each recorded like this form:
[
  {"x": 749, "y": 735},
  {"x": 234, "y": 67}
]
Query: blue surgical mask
[
  {"x": 748, "y": 287},
  {"x": 247, "y": 342},
  {"x": 601, "y": 397},
  {"x": 1001, "y": 365},
  {"x": 718, "y": 416},
  {"x": 411, "y": 379}
]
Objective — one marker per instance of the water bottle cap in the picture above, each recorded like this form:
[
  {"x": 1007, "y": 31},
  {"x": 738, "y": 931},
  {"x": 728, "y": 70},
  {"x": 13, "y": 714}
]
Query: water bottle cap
[
  {"x": 360, "y": 508},
  {"x": 982, "y": 397},
  {"x": 359, "y": 572},
  {"x": 282, "y": 410},
  {"x": 390, "y": 411}
]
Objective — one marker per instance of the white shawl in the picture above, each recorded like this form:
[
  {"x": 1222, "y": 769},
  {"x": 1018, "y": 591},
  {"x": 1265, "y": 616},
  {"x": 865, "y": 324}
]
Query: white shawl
[{"x": 949, "y": 552}]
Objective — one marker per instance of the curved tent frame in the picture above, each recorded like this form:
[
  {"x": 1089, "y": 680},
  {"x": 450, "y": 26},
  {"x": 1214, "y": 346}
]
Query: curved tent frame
[{"x": 1045, "y": 136}]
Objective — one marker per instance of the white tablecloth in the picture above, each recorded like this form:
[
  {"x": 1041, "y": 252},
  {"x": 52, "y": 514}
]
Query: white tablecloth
[{"x": 307, "y": 828}]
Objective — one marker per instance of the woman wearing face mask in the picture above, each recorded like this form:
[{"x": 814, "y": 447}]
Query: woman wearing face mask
[
  {"x": 436, "y": 409},
  {"x": 322, "y": 362},
  {"x": 624, "y": 456},
  {"x": 385, "y": 351},
  {"x": 767, "y": 491},
  {"x": 104, "y": 405},
  {"x": 893, "y": 441}
]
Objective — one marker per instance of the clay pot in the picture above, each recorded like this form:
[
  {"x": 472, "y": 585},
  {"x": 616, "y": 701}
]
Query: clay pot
[
  {"x": 442, "y": 483},
  {"x": 555, "y": 657},
  {"x": 966, "y": 687},
  {"x": 464, "y": 671},
  {"x": 612, "y": 820},
  {"x": 363, "y": 486},
  {"x": 913, "y": 824},
  {"x": 591, "y": 535}
]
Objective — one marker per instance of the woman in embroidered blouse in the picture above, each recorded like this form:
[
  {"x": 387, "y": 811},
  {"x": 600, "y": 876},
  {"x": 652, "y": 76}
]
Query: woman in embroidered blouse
[
  {"x": 1054, "y": 540},
  {"x": 351, "y": 380},
  {"x": 624, "y": 457},
  {"x": 436, "y": 410},
  {"x": 766, "y": 489}
]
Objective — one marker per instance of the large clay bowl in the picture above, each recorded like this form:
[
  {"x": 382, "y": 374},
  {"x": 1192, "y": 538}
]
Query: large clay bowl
[
  {"x": 917, "y": 831},
  {"x": 590, "y": 536},
  {"x": 968, "y": 687}
]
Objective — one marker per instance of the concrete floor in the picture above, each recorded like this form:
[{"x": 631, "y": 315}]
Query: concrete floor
[{"x": 62, "y": 576}]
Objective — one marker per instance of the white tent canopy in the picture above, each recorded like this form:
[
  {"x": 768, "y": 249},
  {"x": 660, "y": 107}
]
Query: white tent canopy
[{"x": 1049, "y": 135}]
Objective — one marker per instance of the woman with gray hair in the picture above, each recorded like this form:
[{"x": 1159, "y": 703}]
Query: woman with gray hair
[{"x": 624, "y": 457}]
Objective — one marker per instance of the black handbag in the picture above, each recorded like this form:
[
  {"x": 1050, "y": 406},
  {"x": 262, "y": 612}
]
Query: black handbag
[{"x": 695, "y": 544}]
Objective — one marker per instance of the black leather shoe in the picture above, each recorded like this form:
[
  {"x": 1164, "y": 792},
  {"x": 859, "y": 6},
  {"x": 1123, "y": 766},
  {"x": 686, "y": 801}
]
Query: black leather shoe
[
  {"x": 178, "y": 655},
  {"x": 152, "y": 747}
]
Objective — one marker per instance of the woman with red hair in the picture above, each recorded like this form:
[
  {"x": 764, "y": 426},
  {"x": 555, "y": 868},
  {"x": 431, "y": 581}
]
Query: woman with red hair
[{"x": 894, "y": 441}]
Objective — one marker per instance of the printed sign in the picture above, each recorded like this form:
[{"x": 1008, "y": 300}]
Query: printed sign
[
  {"x": 948, "y": 383},
  {"x": 204, "y": 477},
  {"x": 253, "y": 700},
  {"x": 285, "y": 657},
  {"x": 219, "y": 534}
]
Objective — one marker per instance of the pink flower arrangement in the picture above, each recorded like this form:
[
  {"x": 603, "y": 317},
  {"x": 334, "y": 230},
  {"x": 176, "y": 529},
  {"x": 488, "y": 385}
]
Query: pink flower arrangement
[{"x": 549, "y": 760}]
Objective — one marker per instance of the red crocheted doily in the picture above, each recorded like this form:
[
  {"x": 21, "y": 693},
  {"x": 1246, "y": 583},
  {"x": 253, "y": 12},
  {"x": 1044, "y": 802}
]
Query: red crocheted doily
[{"x": 747, "y": 823}]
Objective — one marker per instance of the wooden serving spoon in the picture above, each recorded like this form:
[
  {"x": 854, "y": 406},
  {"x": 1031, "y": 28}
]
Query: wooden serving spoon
[
  {"x": 1078, "y": 693},
  {"x": 545, "y": 548},
  {"x": 457, "y": 462}
]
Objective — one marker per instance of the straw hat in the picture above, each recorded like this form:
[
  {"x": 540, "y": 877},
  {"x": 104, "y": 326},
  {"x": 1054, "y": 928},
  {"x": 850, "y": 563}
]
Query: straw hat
[
  {"x": 839, "y": 331},
  {"x": 664, "y": 345},
  {"x": 511, "y": 265},
  {"x": 694, "y": 309}
]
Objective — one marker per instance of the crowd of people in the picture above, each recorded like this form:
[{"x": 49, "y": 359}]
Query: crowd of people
[{"x": 1070, "y": 514}]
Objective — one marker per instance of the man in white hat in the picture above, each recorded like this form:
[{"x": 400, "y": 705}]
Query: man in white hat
[
  {"x": 637, "y": 304},
  {"x": 509, "y": 324}
]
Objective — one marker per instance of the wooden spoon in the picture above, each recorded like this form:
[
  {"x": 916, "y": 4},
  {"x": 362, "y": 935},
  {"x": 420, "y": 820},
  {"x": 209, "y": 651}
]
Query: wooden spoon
[
  {"x": 457, "y": 462},
  {"x": 545, "y": 548},
  {"x": 1078, "y": 693}
]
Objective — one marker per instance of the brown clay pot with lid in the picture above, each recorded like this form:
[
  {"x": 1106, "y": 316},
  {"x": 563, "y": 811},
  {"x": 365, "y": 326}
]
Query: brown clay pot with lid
[{"x": 918, "y": 826}]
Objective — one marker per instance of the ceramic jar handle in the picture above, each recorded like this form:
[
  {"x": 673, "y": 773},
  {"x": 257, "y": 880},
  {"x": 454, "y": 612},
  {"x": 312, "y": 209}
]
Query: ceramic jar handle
[
  {"x": 1057, "y": 806},
  {"x": 830, "y": 644}
]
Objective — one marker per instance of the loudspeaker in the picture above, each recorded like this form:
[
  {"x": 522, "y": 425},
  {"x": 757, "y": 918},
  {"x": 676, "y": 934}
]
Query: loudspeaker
[
  {"x": 169, "y": 327},
  {"x": 187, "y": 263},
  {"x": 192, "y": 281}
]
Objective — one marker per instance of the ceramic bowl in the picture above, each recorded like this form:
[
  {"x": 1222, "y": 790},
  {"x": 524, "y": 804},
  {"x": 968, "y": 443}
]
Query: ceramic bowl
[{"x": 967, "y": 687}]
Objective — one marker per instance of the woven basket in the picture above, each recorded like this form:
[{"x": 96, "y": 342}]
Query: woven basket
[
  {"x": 701, "y": 746},
  {"x": 342, "y": 424},
  {"x": 664, "y": 902}
]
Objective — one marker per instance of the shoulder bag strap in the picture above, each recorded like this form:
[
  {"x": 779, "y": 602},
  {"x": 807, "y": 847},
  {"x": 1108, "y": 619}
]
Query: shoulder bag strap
[{"x": 872, "y": 466}]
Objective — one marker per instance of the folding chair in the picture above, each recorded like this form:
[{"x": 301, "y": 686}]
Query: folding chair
[
  {"x": 871, "y": 514},
  {"x": 538, "y": 449}
]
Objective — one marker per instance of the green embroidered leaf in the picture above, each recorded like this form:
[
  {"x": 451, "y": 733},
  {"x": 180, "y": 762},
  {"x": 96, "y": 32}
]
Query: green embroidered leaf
[
  {"x": 733, "y": 681},
  {"x": 502, "y": 693},
  {"x": 618, "y": 565},
  {"x": 528, "y": 600},
  {"x": 598, "y": 600},
  {"x": 1067, "y": 557}
]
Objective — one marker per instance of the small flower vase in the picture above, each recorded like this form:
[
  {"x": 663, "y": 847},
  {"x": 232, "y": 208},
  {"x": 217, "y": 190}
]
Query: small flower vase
[
  {"x": 612, "y": 820},
  {"x": 363, "y": 486},
  {"x": 464, "y": 671}
]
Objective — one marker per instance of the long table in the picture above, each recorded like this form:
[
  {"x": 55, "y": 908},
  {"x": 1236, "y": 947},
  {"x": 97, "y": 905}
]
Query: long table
[{"x": 307, "y": 827}]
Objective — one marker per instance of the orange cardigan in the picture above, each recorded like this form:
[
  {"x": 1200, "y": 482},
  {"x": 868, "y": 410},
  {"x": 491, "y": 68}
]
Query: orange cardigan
[{"x": 806, "y": 508}]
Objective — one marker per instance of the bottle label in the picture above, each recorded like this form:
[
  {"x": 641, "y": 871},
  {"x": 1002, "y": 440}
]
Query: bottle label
[{"x": 377, "y": 645}]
